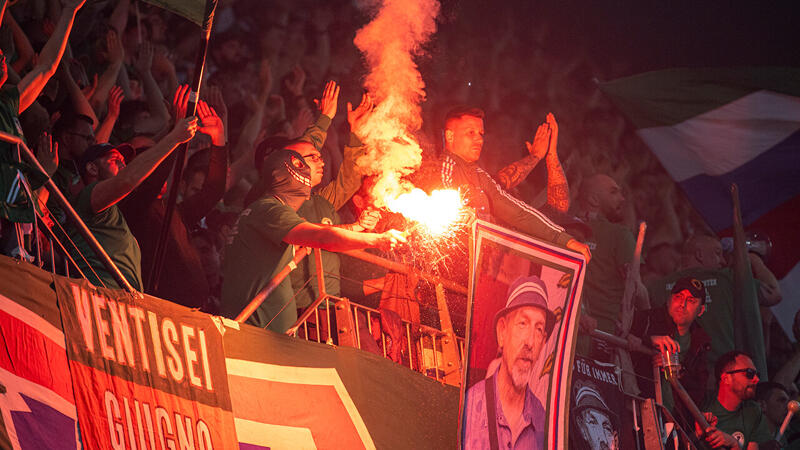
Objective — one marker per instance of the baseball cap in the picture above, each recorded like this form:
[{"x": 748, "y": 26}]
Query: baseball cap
[
  {"x": 693, "y": 285},
  {"x": 97, "y": 151}
]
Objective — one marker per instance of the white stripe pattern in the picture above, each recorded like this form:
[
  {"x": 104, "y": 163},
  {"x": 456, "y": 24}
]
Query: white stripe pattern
[
  {"x": 524, "y": 288},
  {"x": 447, "y": 171},
  {"x": 522, "y": 205}
]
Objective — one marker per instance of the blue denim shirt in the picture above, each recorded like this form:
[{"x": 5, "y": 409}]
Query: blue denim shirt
[{"x": 476, "y": 427}]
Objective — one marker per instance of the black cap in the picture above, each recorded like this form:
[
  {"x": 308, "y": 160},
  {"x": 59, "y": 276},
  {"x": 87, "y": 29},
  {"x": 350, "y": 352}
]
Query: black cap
[
  {"x": 693, "y": 285},
  {"x": 97, "y": 151}
]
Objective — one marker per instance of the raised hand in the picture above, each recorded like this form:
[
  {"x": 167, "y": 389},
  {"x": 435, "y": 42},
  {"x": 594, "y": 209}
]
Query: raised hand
[
  {"x": 265, "y": 76},
  {"x": 358, "y": 118},
  {"x": 552, "y": 149},
  {"x": 329, "y": 102},
  {"x": 144, "y": 61},
  {"x": 538, "y": 149},
  {"x": 115, "y": 97},
  {"x": 210, "y": 124},
  {"x": 369, "y": 218},
  {"x": 297, "y": 81},
  {"x": 276, "y": 108},
  {"x": 114, "y": 50},
  {"x": 217, "y": 102},
  {"x": 184, "y": 130},
  {"x": 88, "y": 90},
  {"x": 47, "y": 153},
  {"x": 180, "y": 102}
]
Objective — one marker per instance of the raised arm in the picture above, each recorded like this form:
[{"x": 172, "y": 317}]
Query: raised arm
[
  {"x": 159, "y": 115},
  {"x": 115, "y": 54},
  {"x": 103, "y": 132},
  {"x": 513, "y": 174},
  {"x": 32, "y": 83},
  {"x": 112, "y": 190},
  {"x": 80, "y": 104},
  {"x": 557, "y": 186}
]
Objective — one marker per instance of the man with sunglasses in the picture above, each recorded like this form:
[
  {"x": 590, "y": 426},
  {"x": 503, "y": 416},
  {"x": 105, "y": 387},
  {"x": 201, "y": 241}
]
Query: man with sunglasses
[{"x": 736, "y": 419}]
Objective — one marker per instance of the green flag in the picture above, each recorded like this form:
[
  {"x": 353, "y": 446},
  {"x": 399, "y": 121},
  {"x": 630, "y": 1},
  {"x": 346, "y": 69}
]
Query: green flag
[{"x": 193, "y": 10}]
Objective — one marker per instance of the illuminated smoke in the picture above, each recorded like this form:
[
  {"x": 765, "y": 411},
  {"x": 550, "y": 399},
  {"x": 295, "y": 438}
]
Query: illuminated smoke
[{"x": 389, "y": 44}]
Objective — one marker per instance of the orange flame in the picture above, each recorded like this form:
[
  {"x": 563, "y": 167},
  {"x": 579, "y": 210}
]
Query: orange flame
[{"x": 435, "y": 212}]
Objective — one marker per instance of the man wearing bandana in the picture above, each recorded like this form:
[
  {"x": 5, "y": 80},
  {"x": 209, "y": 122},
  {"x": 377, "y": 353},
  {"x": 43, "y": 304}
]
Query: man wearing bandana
[{"x": 265, "y": 236}]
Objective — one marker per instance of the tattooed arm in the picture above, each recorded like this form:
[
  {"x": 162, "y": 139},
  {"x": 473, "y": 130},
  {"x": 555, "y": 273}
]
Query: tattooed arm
[
  {"x": 557, "y": 186},
  {"x": 513, "y": 174}
]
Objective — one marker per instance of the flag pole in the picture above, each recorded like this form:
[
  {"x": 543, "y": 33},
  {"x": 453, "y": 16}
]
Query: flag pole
[{"x": 180, "y": 157}]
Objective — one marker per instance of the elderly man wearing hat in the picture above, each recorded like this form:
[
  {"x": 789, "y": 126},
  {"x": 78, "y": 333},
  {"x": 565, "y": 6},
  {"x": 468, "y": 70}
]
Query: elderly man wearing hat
[
  {"x": 110, "y": 173},
  {"x": 595, "y": 423},
  {"x": 674, "y": 329},
  {"x": 502, "y": 411}
]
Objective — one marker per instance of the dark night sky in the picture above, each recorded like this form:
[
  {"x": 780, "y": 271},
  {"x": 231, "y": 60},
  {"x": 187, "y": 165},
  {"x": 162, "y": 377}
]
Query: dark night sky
[{"x": 654, "y": 34}]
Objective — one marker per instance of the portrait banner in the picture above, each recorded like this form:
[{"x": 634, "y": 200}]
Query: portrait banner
[
  {"x": 522, "y": 312},
  {"x": 596, "y": 407},
  {"x": 146, "y": 373}
]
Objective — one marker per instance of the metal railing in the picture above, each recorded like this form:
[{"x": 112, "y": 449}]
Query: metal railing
[{"x": 71, "y": 214}]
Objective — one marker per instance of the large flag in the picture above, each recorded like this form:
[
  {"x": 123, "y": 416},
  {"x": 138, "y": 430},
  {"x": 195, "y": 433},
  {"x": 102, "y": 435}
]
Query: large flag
[
  {"x": 288, "y": 393},
  {"x": 713, "y": 127},
  {"x": 37, "y": 406}
]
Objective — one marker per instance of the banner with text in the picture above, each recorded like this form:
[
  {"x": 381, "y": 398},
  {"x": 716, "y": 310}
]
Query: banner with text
[{"x": 147, "y": 373}]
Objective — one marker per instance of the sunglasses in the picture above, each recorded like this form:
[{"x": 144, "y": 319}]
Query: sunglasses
[{"x": 748, "y": 373}]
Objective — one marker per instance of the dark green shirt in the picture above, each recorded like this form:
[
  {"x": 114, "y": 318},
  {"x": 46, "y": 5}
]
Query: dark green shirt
[
  {"x": 253, "y": 257},
  {"x": 717, "y": 321},
  {"x": 746, "y": 424},
  {"x": 111, "y": 230},
  {"x": 612, "y": 247},
  {"x": 18, "y": 209},
  {"x": 316, "y": 210}
]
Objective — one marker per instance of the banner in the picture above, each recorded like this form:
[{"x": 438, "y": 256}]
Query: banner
[
  {"x": 596, "y": 403},
  {"x": 147, "y": 373},
  {"x": 37, "y": 408},
  {"x": 522, "y": 314},
  {"x": 293, "y": 394}
]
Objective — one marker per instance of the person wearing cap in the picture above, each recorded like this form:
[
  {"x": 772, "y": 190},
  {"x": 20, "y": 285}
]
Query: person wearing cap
[
  {"x": 673, "y": 329},
  {"x": 595, "y": 423},
  {"x": 110, "y": 173},
  {"x": 501, "y": 411},
  {"x": 736, "y": 419},
  {"x": 265, "y": 239}
]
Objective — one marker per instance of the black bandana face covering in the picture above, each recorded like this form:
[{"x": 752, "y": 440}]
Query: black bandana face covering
[{"x": 289, "y": 177}]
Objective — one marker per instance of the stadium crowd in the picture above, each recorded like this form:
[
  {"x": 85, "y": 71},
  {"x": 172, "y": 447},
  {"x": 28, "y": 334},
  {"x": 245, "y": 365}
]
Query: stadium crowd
[{"x": 99, "y": 90}]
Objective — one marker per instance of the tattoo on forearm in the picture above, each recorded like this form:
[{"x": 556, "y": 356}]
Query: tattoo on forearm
[
  {"x": 557, "y": 188},
  {"x": 513, "y": 174}
]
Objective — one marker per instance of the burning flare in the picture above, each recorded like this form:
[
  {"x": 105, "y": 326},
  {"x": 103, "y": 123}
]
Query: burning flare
[
  {"x": 390, "y": 42},
  {"x": 435, "y": 212}
]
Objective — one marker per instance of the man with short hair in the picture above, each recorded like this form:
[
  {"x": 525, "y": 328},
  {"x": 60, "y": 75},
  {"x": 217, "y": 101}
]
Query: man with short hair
[
  {"x": 674, "y": 330},
  {"x": 110, "y": 173},
  {"x": 736, "y": 420},
  {"x": 458, "y": 168},
  {"x": 74, "y": 134},
  {"x": 502, "y": 406}
]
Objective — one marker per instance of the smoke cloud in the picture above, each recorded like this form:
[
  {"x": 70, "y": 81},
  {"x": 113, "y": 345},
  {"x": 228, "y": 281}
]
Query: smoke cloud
[{"x": 389, "y": 43}]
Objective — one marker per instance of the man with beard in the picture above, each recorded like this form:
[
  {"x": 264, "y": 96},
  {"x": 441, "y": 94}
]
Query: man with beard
[
  {"x": 501, "y": 411},
  {"x": 597, "y": 425},
  {"x": 600, "y": 204},
  {"x": 736, "y": 420}
]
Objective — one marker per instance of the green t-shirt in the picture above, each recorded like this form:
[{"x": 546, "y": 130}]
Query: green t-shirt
[
  {"x": 253, "y": 257},
  {"x": 111, "y": 230},
  {"x": 19, "y": 208},
  {"x": 717, "y": 321},
  {"x": 612, "y": 247},
  {"x": 746, "y": 424},
  {"x": 316, "y": 210}
]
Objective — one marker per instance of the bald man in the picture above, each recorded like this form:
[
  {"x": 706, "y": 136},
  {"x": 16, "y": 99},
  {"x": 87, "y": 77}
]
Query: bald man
[{"x": 601, "y": 205}]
